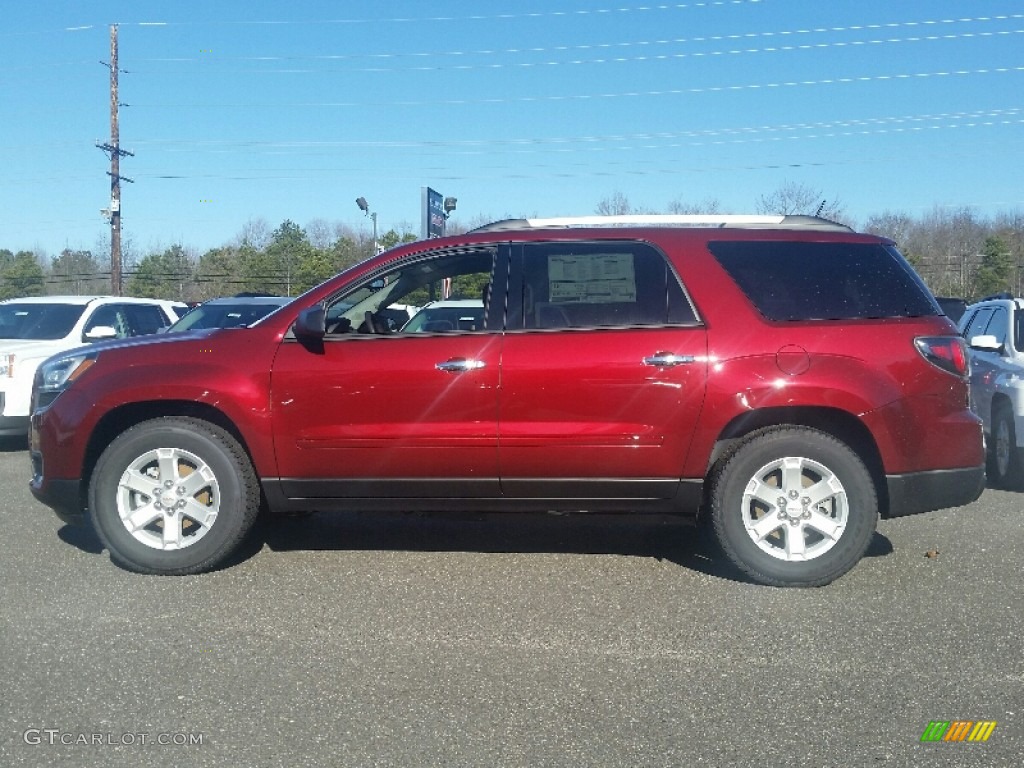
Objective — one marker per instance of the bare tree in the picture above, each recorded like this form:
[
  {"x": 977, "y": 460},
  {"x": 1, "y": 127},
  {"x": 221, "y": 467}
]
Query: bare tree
[
  {"x": 343, "y": 231},
  {"x": 478, "y": 220},
  {"x": 320, "y": 233},
  {"x": 256, "y": 234},
  {"x": 953, "y": 238},
  {"x": 794, "y": 198},
  {"x": 896, "y": 225},
  {"x": 615, "y": 205},
  {"x": 709, "y": 205},
  {"x": 906, "y": 232}
]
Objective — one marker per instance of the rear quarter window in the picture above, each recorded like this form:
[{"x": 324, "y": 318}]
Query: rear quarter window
[{"x": 825, "y": 281}]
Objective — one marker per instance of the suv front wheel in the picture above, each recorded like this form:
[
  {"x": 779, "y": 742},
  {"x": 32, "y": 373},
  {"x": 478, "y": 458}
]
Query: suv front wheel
[
  {"x": 173, "y": 496},
  {"x": 793, "y": 506}
]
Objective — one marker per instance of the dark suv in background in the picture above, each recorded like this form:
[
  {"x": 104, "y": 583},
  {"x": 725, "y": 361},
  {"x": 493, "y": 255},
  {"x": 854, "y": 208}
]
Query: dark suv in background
[{"x": 784, "y": 377}]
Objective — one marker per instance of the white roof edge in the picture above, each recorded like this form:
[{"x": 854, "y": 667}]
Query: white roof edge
[
  {"x": 73, "y": 298},
  {"x": 640, "y": 219}
]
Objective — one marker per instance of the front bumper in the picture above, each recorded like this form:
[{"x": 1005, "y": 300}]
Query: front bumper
[
  {"x": 62, "y": 496},
  {"x": 917, "y": 492},
  {"x": 13, "y": 426}
]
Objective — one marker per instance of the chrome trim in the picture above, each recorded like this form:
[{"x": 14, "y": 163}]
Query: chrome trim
[
  {"x": 668, "y": 360},
  {"x": 460, "y": 365}
]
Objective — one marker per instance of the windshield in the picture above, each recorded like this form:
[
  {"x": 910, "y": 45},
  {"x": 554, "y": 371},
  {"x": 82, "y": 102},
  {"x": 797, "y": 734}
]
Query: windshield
[
  {"x": 225, "y": 315},
  {"x": 41, "y": 322}
]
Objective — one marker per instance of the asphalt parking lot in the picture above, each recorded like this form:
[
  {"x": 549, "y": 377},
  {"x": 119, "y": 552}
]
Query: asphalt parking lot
[{"x": 496, "y": 641}]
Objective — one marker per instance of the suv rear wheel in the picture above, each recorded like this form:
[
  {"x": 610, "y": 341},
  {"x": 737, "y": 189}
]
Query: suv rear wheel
[
  {"x": 173, "y": 496},
  {"x": 793, "y": 506}
]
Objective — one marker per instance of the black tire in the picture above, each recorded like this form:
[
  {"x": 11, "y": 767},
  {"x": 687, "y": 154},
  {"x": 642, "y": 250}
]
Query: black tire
[
  {"x": 1004, "y": 466},
  {"x": 834, "y": 522},
  {"x": 181, "y": 525}
]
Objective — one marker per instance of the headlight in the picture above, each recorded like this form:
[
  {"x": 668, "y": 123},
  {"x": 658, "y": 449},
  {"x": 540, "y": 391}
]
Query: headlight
[{"x": 55, "y": 375}]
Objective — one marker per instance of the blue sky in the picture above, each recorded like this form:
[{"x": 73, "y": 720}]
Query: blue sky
[{"x": 243, "y": 110}]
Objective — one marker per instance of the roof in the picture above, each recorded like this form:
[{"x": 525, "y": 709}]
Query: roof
[
  {"x": 86, "y": 300},
  {"x": 742, "y": 221},
  {"x": 245, "y": 301}
]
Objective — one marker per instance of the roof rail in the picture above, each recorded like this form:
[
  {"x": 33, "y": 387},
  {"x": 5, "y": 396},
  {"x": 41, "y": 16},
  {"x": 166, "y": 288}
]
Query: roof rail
[
  {"x": 669, "y": 220},
  {"x": 994, "y": 296}
]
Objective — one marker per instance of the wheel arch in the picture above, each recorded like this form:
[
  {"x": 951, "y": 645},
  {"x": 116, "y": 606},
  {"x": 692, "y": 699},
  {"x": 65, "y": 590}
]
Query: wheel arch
[
  {"x": 124, "y": 417},
  {"x": 842, "y": 425},
  {"x": 1001, "y": 399}
]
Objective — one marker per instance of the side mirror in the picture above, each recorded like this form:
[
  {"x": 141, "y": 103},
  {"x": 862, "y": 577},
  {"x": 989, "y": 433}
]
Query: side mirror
[
  {"x": 311, "y": 323},
  {"x": 99, "y": 333},
  {"x": 986, "y": 343}
]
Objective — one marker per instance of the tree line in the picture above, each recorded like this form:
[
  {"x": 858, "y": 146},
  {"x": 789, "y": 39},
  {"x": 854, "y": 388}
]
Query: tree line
[
  {"x": 957, "y": 252},
  {"x": 285, "y": 261}
]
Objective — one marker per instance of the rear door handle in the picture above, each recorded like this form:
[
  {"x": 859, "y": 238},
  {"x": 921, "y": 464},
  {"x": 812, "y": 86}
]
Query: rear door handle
[
  {"x": 667, "y": 359},
  {"x": 460, "y": 365}
]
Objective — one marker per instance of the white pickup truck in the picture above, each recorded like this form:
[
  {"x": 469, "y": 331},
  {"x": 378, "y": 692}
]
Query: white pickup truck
[
  {"x": 994, "y": 330},
  {"x": 34, "y": 328}
]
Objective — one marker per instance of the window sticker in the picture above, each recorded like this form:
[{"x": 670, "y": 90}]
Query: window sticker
[{"x": 591, "y": 278}]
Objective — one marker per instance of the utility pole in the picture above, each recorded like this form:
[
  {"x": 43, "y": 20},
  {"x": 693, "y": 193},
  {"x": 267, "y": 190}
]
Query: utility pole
[{"x": 113, "y": 148}]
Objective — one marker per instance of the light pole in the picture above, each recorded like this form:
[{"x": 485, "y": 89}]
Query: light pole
[
  {"x": 449, "y": 206},
  {"x": 365, "y": 208}
]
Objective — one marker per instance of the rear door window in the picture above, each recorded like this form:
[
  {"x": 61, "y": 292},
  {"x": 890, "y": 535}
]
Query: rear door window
[
  {"x": 144, "y": 319},
  {"x": 788, "y": 280},
  {"x": 595, "y": 285}
]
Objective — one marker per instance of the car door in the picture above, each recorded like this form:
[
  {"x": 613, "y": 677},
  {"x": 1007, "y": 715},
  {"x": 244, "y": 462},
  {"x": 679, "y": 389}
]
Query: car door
[
  {"x": 603, "y": 373},
  {"x": 392, "y": 414},
  {"x": 986, "y": 365}
]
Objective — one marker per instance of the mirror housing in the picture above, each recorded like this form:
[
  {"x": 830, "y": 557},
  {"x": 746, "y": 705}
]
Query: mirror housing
[
  {"x": 311, "y": 323},
  {"x": 986, "y": 343},
  {"x": 100, "y": 333}
]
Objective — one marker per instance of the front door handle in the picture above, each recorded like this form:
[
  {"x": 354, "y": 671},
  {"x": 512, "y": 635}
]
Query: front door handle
[
  {"x": 460, "y": 365},
  {"x": 667, "y": 359}
]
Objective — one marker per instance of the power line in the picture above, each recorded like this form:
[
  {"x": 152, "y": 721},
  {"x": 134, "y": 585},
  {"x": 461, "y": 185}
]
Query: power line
[
  {"x": 638, "y": 59},
  {"x": 553, "y": 98},
  {"x": 574, "y": 14},
  {"x": 785, "y": 34},
  {"x": 248, "y": 145}
]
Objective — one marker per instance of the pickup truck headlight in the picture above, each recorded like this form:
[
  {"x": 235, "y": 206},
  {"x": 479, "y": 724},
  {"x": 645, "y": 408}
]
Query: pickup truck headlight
[{"x": 56, "y": 374}]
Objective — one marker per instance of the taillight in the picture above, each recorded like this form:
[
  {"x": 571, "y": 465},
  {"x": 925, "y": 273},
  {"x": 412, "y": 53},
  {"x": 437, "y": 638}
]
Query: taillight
[{"x": 946, "y": 352}]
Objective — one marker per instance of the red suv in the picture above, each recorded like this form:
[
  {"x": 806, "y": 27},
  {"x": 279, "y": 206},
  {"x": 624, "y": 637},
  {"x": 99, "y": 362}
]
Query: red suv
[{"x": 784, "y": 377}]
